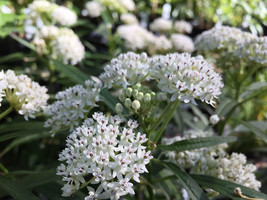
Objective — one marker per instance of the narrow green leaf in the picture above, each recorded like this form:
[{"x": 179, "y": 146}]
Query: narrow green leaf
[
  {"x": 23, "y": 42},
  {"x": 193, "y": 189},
  {"x": 254, "y": 87},
  {"x": 25, "y": 139},
  {"x": 225, "y": 106},
  {"x": 261, "y": 134},
  {"x": 71, "y": 72},
  {"x": 198, "y": 113},
  {"x": 196, "y": 143},
  {"x": 12, "y": 57},
  {"x": 17, "y": 191},
  {"x": 16, "y": 134},
  {"x": 18, "y": 126},
  {"x": 227, "y": 188}
]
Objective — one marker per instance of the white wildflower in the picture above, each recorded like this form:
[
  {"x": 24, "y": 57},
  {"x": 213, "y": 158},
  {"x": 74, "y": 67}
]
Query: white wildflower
[
  {"x": 161, "y": 25},
  {"x": 24, "y": 95},
  {"x": 186, "y": 78},
  {"x": 64, "y": 16},
  {"x": 159, "y": 44},
  {"x": 93, "y": 9},
  {"x": 127, "y": 4},
  {"x": 135, "y": 36},
  {"x": 129, "y": 18},
  {"x": 68, "y": 47},
  {"x": 127, "y": 69},
  {"x": 72, "y": 105},
  {"x": 107, "y": 151},
  {"x": 182, "y": 27},
  {"x": 182, "y": 43}
]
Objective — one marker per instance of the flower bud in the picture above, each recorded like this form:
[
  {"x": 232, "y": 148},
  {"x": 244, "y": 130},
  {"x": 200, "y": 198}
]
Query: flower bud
[
  {"x": 138, "y": 86},
  {"x": 140, "y": 96},
  {"x": 214, "y": 119},
  {"x": 136, "y": 105},
  {"x": 128, "y": 102},
  {"x": 147, "y": 97},
  {"x": 161, "y": 96},
  {"x": 135, "y": 93},
  {"x": 119, "y": 108},
  {"x": 122, "y": 96},
  {"x": 129, "y": 92}
]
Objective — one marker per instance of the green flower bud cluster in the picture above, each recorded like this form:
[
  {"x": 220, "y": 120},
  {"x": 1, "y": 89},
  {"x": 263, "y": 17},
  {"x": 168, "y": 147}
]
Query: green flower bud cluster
[{"x": 139, "y": 99}]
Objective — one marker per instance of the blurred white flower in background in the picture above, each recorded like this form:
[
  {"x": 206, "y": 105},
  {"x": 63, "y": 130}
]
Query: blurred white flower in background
[
  {"x": 93, "y": 9},
  {"x": 182, "y": 43},
  {"x": 182, "y": 27}
]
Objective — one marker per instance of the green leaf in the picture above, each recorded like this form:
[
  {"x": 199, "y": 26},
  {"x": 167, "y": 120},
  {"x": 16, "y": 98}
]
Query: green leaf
[
  {"x": 23, "y": 42},
  {"x": 12, "y": 57},
  {"x": 226, "y": 188},
  {"x": 254, "y": 88},
  {"x": 71, "y": 72},
  {"x": 198, "y": 113},
  {"x": 196, "y": 143},
  {"x": 17, "y": 191},
  {"x": 16, "y": 134},
  {"x": 18, "y": 126},
  {"x": 260, "y": 133},
  {"x": 225, "y": 106},
  {"x": 193, "y": 189}
]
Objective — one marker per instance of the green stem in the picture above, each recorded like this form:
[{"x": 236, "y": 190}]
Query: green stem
[
  {"x": 87, "y": 183},
  {"x": 150, "y": 188},
  {"x": 162, "y": 116},
  {"x": 167, "y": 119},
  {"x": 6, "y": 112}
]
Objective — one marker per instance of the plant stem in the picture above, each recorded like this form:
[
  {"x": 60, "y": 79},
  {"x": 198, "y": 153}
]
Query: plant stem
[
  {"x": 167, "y": 119},
  {"x": 150, "y": 189},
  {"x": 6, "y": 112}
]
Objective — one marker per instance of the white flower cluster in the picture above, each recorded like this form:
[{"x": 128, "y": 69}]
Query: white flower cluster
[
  {"x": 182, "y": 43},
  {"x": 182, "y": 26},
  {"x": 72, "y": 105},
  {"x": 93, "y": 9},
  {"x": 135, "y": 36},
  {"x": 24, "y": 95},
  {"x": 127, "y": 69},
  {"x": 161, "y": 25},
  {"x": 43, "y": 12},
  {"x": 253, "y": 48},
  {"x": 234, "y": 168},
  {"x": 68, "y": 47},
  {"x": 213, "y": 161},
  {"x": 232, "y": 40},
  {"x": 104, "y": 154},
  {"x": 186, "y": 78},
  {"x": 129, "y": 18},
  {"x": 64, "y": 16},
  {"x": 190, "y": 159},
  {"x": 128, "y": 4},
  {"x": 160, "y": 44}
]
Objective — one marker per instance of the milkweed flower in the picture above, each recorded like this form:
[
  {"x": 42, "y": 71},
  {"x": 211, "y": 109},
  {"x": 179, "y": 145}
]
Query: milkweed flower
[
  {"x": 129, "y": 18},
  {"x": 93, "y": 9},
  {"x": 72, "y": 106},
  {"x": 135, "y": 36},
  {"x": 161, "y": 25},
  {"x": 159, "y": 44},
  {"x": 68, "y": 47},
  {"x": 213, "y": 161},
  {"x": 64, "y": 16},
  {"x": 186, "y": 78},
  {"x": 127, "y": 69},
  {"x": 24, "y": 95},
  {"x": 110, "y": 151},
  {"x": 182, "y": 26},
  {"x": 214, "y": 119},
  {"x": 182, "y": 43}
]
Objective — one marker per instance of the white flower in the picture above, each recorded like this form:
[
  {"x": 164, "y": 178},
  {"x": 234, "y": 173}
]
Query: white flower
[
  {"x": 186, "y": 78},
  {"x": 64, "y": 16},
  {"x": 129, "y": 18},
  {"x": 72, "y": 105},
  {"x": 107, "y": 151},
  {"x": 125, "y": 70},
  {"x": 49, "y": 32},
  {"x": 213, "y": 161},
  {"x": 93, "y": 8},
  {"x": 128, "y": 4},
  {"x": 135, "y": 36},
  {"x": 159, "y": 44},
  {"x": 161, "y": 25},
  {"x": 68, "y": 47},
  {"x": 214, "y": 119},
  {"x": 182, "y": 27},
  {"x": 24, "y": 95},
  {"x": 182, "y": 43}
]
